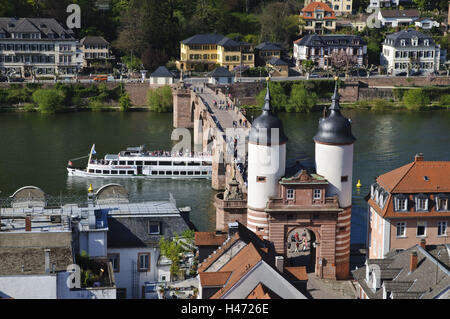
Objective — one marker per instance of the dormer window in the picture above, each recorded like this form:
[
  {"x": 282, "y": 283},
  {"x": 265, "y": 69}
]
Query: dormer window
[
  {"x": 317, "y": 194},
  {"x": 421, "y": 203},
  {"x": 403, "y": 43},
  {"x": 415, "y": 41},
  {"x": 290, "y": 194},
  {"x": 426, "y": 43},
  {"x": 401, "y": 203},
  {"x": 442, "y": 202}
]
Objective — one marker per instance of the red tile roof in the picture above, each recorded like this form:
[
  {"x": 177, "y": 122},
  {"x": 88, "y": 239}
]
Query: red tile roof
[
  {"x": 214, "y": 279},
  {"x": 239, "y": 266},
  {"x": 209, "y": 239},
  {"x": 418, "y": 177},
  {"x": 313, "y": 6},
  {"x": 298, "y": 272},
  {"x": 262, "y": 292}
]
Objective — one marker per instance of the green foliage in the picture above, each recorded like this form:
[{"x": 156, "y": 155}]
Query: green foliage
[
  {"x": 259, "y": 71},
  {"x": 124, "y": 102},
  {"x": 301, "y": 100},
  {"x": 444, "y": 101},
  {"x": 49, "y": 100},
  {"x": 97, "y": 106},
  {"x": 160, "y": 99},
  {"x": 278, "y": 95},
  {"x": 415, "y": 99},
  {"x": 380, "y": 104},
  {"x": 172, "y": 251}
]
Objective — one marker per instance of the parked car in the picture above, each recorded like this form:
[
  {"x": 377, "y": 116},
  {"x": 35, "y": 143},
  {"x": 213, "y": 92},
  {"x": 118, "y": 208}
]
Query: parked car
[
  {"x": 314, "y": 76},
  {"x": 401, "y": 74}
]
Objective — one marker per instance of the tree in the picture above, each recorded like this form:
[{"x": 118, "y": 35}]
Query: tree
[
  {"x": 160, "y": 99},
  {"x": 172, "y": 250},
  {"x": 124, "y": 102},
  {"x": 279, "y": 23},
  {"x": 369, "y": 68},
  {"x": 341, "y": 61},
  {"x": 301, "y": 100},
  {"x": 307, "y": 67},
  {"x": 278, "y": 96},
  {"x": 416, "y": 99},
  {"x": 48, "y": 100}
]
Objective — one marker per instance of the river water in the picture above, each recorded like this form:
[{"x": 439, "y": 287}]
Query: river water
[{"x": 35, "y": 150}]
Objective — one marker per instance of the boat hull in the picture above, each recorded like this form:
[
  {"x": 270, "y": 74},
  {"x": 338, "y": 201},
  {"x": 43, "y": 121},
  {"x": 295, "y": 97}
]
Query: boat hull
[{"x": 76, "y": 172}]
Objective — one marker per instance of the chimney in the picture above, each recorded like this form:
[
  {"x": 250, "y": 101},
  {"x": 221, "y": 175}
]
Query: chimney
[
  {"x": 47, "y": 260},
  {"x": 413, "y": 261},
  {"x": 423, "y": 243},
  {"x": 419, "y": 157},
  {"x": 279, "y": 263},
  {"x": 28, "y": 223},
  {"x": 233, "y": 228}
]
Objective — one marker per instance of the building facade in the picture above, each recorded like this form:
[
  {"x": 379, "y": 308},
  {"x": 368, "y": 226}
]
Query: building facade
[
  {"x": 319, "y": 48},
  {"x": 209, "y": 50},
  {"x": 266, "y": 51},
  {"x": 410, "y": 50},
  {"x": 408, "y": 204},
  {"x": 398, "y": 18},
  {"x": 38, "y": 47},
  {"x": 96, "y": 53},
  {"x": 384, "y": 3},
  {"x": 341, "y": 7},
  {"x": 319, "y": 18}
]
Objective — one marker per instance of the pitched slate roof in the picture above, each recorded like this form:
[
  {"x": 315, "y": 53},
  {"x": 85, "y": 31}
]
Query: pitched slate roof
[
  {"x": 400, "y": 13},
  {"x": 93, "y": 40},
  {"x": 408, "y": 35},
  {"x": 162, "y": 72},
  {"x": 220, "y": 72},
  {"x": 427, "y": 281},
  {"x": 276, "y": 61},
  {"x": 268, "y": 46},
  {"x": 45, "y": 26},
  {"x": 331, "y": 40},
  {"x": 210, "y": 39}
]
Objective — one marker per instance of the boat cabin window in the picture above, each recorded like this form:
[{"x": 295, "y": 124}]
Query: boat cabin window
[
  {"x": 91, "y": 171},
  {"x": 130, "y": 163},
  {"x": 190, "y": 173},
  {"x": 122, "y": 162},
  {"x": 114, "y": 163},
  {"x": 176, "y": 173},
  {"x": 182, "y": 173},
  {"x": 98, "y": 171},
  {"x": 122, "y": 172},
  {"x": 205, "y": 163},
  {"x": 180, "y": 163},
  {"x": 139, "y": 163},
  {"x": 165, "y": 163},
  {"x": 150, "y": 163},
  {"x": 193, "y": 164},
  {"x": 197, "y": 173},
  {"x": 205, "y": 173},
  {"x": 168, "y": 173},
  {"x": 113, "y": 172},
  {"x": 106, "y": 172},
  {"x": 130, "y": 172}
]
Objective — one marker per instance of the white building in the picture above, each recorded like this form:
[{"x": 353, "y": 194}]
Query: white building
[
  {"x": 426, "y": 23},
  {"x": 161, "y": 76},
  {"x": 38, "y": 46},
  {"x": 220, "y": 75},
  {"x": 410, "y": 50},
  {"x": 383, "y": 3},
  {"x": 398, "y": 18}
]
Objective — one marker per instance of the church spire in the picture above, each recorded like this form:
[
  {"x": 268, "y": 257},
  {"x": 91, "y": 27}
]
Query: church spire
[
  {"x": 335, "y": 98},
  {"x": 267, "y": 105}
]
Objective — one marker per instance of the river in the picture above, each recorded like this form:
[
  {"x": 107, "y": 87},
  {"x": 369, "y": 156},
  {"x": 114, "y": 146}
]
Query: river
[{"x": 35, "y": 149}]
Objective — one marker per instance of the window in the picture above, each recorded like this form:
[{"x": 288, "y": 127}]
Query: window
[
  {"x": 401, "y": 203},
  {"x": 442, "y": 203},
  {"x": 421, "y": 229},
  {"x": 121, "y": 293},
  {"x": 143, "y": 261},
  {"x": 421, "y": 203},
  {"x": 442, "y": 228},
  {"x": 317, "y": 194},
  {"x": 402, "y": 43},
  {"x": 290, "y": 194},
  {"x": 153, "y": 229},
  {"x": 260, "y": 179},
  {"x": 115, "y": 261},
  {"x": 401, "y": 229},
  {"x": 426, "y": 43},
  {"x": 344, "y": 179}
]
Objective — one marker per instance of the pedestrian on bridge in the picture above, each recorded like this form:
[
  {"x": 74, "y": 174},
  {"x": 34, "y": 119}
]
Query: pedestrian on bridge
[{"x": 240, "y": 122}]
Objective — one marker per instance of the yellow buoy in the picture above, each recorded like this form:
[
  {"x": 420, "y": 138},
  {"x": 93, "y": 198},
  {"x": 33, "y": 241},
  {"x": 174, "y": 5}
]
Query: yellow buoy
[
  {"x": 359, "y": 183},
  {"x": 90, "y": 189}
]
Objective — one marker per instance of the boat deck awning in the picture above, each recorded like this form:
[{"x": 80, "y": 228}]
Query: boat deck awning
[{"x": 111, "y": 157}]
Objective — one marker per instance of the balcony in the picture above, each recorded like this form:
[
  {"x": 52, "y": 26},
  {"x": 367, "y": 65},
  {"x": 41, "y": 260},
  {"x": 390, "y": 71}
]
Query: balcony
[
  {"x": 229, "y": 204},
  {"x": 330, "y": 204}
]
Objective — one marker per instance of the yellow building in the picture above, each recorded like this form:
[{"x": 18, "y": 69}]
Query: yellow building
[
  {"x": 340, "y": 7},
  {"x": 204, "y": 52}
]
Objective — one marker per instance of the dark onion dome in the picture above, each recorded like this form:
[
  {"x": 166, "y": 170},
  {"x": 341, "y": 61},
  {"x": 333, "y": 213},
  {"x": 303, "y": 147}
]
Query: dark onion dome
[
  {"x": 335, "y": 129},
  {"x": 262, "y": 126}
]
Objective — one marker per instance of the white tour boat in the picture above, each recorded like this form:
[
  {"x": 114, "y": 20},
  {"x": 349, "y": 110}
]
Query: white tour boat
[{"x": 136, "y": 162}]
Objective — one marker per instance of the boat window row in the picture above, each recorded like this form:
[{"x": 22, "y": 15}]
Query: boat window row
[
  {"x": 152, "y": 163},
  {"x": 131, "y": 172}
]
